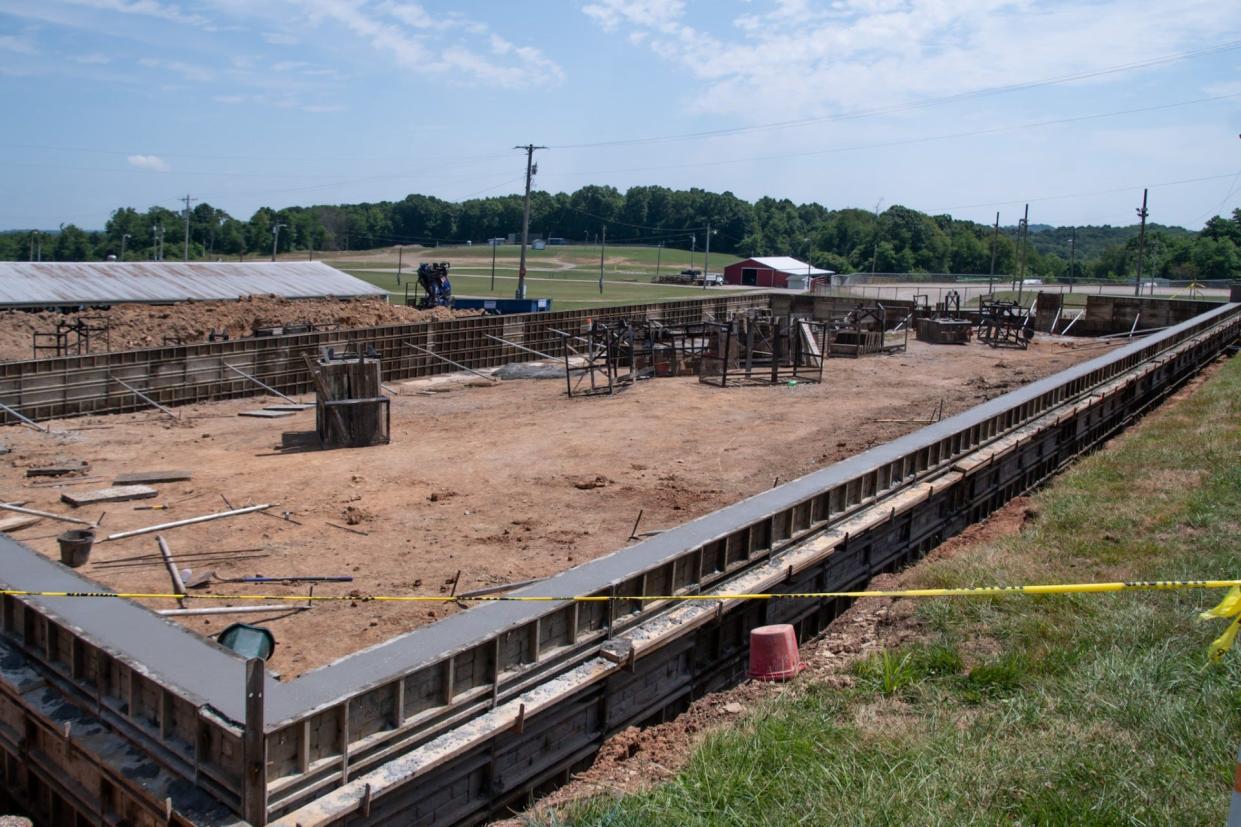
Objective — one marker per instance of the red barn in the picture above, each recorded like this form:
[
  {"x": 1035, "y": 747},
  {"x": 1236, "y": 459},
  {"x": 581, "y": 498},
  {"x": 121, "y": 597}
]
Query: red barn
[{"x": 774, "y": 271}]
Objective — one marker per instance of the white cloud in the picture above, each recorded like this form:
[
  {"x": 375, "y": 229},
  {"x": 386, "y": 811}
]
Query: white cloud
[
  {"x": 790, "y": 58},
  {"x": 145, "y": 8},
  {"x": 449, "y": 45},
  {"x": 154, "y": 163},
  {"x": 189, "y": 71},
  {"x": 19, "y": 45}
]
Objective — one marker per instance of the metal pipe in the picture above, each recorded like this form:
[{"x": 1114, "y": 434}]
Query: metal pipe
[
  {"x": 1080, "y": 313},
  {"x": 24, "y": 419},
  {"x": 121, "y": 535},
  {"x": 260, "y": 384},
  {"x": 141, "y": 395},
  {"x": 177, "y": 583},
  {"x": 48, "y": 514},
  {"x": 446, "y": 359},
  {"x": 231, "y": 610},
  {"x": 519, "y": 347}
]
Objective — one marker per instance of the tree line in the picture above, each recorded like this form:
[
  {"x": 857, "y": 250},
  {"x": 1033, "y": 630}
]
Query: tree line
[{"x": 896, "y": 240}]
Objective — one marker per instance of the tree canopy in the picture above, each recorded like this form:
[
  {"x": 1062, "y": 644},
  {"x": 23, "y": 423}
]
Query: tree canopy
[{"x": 896, "y": 240}]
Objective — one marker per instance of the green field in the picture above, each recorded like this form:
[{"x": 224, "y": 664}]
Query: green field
[
  {"x": 568, "y": 275},
  {"x": 1059, "y": 710}
]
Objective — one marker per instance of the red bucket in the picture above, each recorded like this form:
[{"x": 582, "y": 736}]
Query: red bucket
[{"x": 773, "y": 653}]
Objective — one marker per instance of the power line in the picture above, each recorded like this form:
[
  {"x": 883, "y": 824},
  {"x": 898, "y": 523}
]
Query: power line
[
  {"x": 907, "y": 141},
  {"x": 1112, "y": 191},
  {"x": 905, "y": 107}
]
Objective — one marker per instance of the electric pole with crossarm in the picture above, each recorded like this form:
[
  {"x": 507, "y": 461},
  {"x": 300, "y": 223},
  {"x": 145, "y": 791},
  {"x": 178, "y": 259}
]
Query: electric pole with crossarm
[{"x": 531, "y": 169}]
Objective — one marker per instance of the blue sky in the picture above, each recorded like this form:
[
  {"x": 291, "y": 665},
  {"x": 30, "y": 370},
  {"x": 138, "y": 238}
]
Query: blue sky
[{"x": 941, "y": 105}]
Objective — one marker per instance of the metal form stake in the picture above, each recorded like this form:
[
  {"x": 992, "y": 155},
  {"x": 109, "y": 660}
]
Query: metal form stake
[
  {"x": 408, "y": 343},
  {"x": 260, "y": 384},
  {"x": 24, "y": 419},
  {"x": 141, "y": 395},
  {"x": 519, "y": 347}
]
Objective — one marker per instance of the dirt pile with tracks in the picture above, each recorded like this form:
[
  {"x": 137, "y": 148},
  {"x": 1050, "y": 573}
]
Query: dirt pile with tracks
[{"x": 133, "y": 326}]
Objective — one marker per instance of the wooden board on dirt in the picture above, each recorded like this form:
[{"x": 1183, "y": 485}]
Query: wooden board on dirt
[
  {"x": 116, "y": 494},
  {"x": 147, "y": 477},
  {"x": 59, "y": 469},
  {"x": 290, "y": 406},
  {"x": 266, "y": 414},
  {"x": 19, "y": 521}
]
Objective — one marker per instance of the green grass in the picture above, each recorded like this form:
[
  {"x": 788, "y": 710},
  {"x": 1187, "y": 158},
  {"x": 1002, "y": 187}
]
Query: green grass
[
  {"x": 567, "y": 291},
  {"x": 1095, "y": 710}
]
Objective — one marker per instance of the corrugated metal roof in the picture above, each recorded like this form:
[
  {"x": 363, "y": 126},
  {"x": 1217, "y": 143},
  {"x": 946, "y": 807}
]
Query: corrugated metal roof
[
  {"x": 787, "y": 264},
  {"x": 47, "y": 284}
]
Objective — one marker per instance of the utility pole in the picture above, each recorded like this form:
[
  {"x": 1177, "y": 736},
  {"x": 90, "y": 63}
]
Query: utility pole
[
  {"x": 275, "y": 238},
  {"x": 1142, "y": 213},
  {"x": 493, "y": 265},
  {"x": 995, "y": 237},
  {"x": 874, "y": 258},
  {"x": 603, "y": 244},
  {"x": 693, "y": 247},
  {"x": 161, "y": 242},
  {"x": 186, "y": 255},
  {"x": 659, "y": 252},
  {"x": 33, "y": 233},
  {"x": 531, "y": 169},
  {"x": 706, "y": 257},
  {"x": 1072, "y": 259},
  {"x": 400, "y": 248},
  {"x": 1021, "y": 271}
]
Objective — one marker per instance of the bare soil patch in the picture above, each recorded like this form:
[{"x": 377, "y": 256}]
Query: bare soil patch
[{"x": 504, "y": 483}]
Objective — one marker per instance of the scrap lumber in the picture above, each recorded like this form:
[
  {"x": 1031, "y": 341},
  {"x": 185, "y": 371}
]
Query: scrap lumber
[
  {"x": 14, "y": 523},
  {"x": 148, "y": 477},
  {"x": 115, "y": 494},
  {"x": 265, "y": 413},
  {"x": 60, "y": 469}
]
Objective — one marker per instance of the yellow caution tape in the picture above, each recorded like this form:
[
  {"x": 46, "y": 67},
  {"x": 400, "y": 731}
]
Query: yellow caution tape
[{"x": 1229, "y": 607}]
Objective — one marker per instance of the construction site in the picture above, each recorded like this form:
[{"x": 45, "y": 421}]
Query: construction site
[{"x": 309, "y": 471}]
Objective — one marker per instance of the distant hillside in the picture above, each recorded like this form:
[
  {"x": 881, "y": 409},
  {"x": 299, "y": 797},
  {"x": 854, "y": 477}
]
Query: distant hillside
[{"x": 1092, "y": 241}]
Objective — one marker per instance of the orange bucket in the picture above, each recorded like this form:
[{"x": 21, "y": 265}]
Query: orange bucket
[{"x": 773, "y": 653}]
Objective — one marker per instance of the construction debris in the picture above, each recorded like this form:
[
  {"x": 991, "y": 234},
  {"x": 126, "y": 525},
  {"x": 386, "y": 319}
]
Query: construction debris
[
  {"x": 121, "y": 535},
  {"x": 58, "y": 470},
  {"x": 116, "y": 494},
  {"x": 62, "y": 518},
  {"x": 148, "y": 477},
  {"x": 15, "y": 523}
]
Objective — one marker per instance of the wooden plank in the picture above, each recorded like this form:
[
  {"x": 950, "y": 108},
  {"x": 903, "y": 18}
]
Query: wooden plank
[
  {"x": 146, "y": 477},
  {"x": 119, "y": 493},
  {"x": 266, "y": 413},
  {"x": 70, "y": 467},
  {"x": 298, "y": 406},
  {"x": 14, "y": 523}
]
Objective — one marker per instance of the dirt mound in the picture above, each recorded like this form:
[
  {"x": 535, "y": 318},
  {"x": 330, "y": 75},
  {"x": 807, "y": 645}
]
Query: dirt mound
[{"x": 139, "y": 325}]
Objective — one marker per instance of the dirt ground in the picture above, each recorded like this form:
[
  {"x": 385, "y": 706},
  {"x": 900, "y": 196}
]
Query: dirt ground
[
  {"x": 140, "y": 325},
  {"x": 502, "y": 483}
]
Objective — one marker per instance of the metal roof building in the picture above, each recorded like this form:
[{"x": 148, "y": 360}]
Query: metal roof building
[
  {"x": 73, "y": 284},
  {"x": 773, "y": 271}
]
